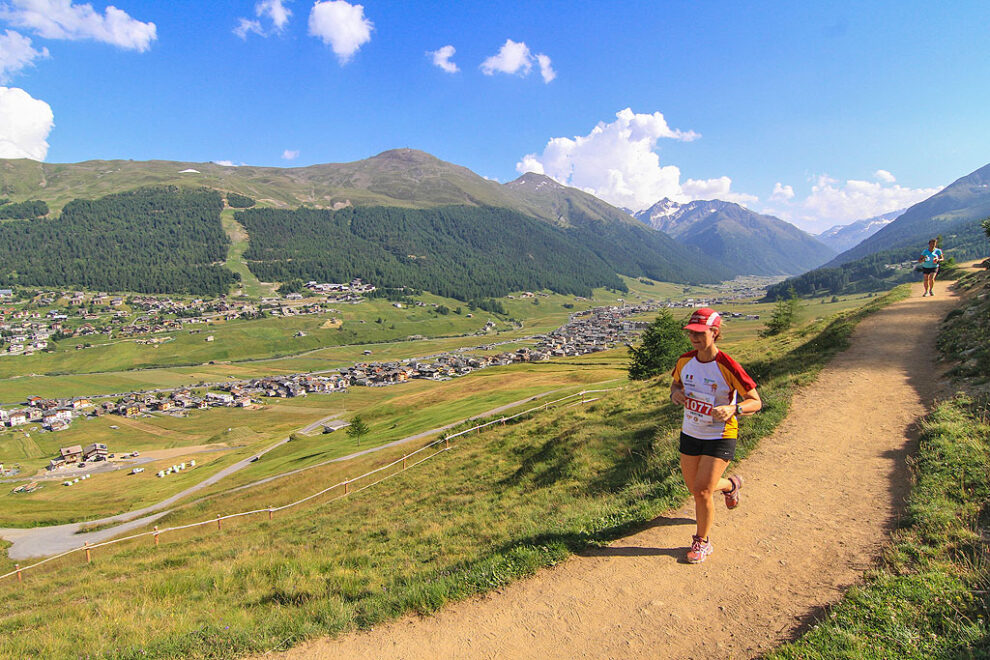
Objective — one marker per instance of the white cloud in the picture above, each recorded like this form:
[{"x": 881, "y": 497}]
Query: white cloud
[
  {"x": 25, "y": 123},
  {"x": 340, "y": 25},
  {"x": 884, "y": 175},
  {"x": 16, "y": 53},
  {"x": 515, "y": 58},
  {"x": 618, "y": 163},
  {"x": 290, "y": 154},
  {"x": 511, "y": 58},
  {"x": 546, "y": 70},
  {"x": 781, "y": 192},
  {"x": 717, "y": 188},
  {"x": 245, "y": 26},
  {"x": 441, "y": 58},
  {"x": 832, "y": 202},
  {"x": 61, "y": 19},
  {"x": 226, "y": 163},
  {"x": 274, "y": 10}
]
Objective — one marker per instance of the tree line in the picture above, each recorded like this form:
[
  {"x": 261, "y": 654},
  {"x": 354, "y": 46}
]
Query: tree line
[
  {"x": 461, "y": 252},
  {"x": 32, "y": 208}
]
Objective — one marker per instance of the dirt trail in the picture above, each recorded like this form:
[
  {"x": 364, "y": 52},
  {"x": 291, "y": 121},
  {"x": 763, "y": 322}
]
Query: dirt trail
[{"x": 821, "y": 495}]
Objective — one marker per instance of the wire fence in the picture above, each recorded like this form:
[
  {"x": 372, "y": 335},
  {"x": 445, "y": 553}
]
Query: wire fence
[{"x": 410, "y": 460}]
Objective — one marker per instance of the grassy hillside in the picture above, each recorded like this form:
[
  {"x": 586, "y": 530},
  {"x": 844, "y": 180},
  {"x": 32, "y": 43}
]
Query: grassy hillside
[
  {"x": 571, "y": 478},
  {"x": 404, "y": 178}
]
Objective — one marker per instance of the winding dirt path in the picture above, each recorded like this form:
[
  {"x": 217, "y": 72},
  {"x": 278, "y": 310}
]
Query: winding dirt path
[{"x": 821, "y": 495}]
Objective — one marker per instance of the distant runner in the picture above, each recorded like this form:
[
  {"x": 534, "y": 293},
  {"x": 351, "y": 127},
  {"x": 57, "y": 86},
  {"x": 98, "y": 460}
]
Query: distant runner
[
  {"x": 714, "y": 390},
  {"x": 929, "y": 260}
]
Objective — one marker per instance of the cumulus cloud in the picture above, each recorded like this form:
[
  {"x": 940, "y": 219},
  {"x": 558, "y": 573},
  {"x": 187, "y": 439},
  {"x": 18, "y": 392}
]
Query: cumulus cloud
[
  {"x": 618, "y": 162},
  {"x": 833, "y": 202},
  {"x": 340, "y": 25},
  {"x": 717, "y": 188},
  {"x": 781, "y": 192},
  {"x": 61, "y": 19},
  {"x": 16, "y": 53},
  {"x": 884, "y": 175},
  {"x": 25, "y": 123},
  {"x": 290, "y": 154},
  {"x": 441, "y": 58},
  {"x": 273, "y": 11},
  {"x": 546, "y": 69},
  {"x": 226, "y": 163},
  {"x": 511, "y": 58},
  {"x": 515, "y": 58}
]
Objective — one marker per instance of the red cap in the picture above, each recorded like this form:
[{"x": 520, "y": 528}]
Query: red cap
[{"x": 704, "y": 318}]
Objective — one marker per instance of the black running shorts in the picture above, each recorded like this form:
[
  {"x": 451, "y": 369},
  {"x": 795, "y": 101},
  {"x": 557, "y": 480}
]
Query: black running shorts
[
  {"x": 724, "y": 448},
  {"x": 929, "y": 271}
]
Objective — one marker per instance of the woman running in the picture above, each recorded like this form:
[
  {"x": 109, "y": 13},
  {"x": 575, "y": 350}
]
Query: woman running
[
  {"x": 929, "y": 260},
  {"x": 714, "y": 391}
]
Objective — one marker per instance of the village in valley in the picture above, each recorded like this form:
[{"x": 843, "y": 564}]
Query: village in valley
[{"x": 26, "y": 328}]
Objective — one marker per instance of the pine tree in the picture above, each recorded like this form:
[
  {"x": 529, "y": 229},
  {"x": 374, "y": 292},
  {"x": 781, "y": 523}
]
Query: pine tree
[{"x": 662, "y": 343}]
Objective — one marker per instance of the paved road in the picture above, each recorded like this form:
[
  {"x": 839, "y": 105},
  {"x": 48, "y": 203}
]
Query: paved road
[{"x": 46, "y": 541}]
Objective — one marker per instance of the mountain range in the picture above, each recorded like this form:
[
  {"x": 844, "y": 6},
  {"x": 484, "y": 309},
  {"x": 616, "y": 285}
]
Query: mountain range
[
  {"x": 953, "y": 214},
  {"x": 401, "y": 179},
  {"x": 843, "y": 237},
  {"x": 948, "y": 212},
  {"x": 754, "y": 244}
]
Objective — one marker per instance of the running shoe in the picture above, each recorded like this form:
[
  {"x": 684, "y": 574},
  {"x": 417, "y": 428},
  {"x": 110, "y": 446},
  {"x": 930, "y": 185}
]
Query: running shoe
[
  {"x": 700, "y": 549},
  {"x": 732, "y": 496}
]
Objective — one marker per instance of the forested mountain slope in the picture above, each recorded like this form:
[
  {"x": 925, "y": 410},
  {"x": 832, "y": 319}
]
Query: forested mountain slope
[
  {"x": 457, "y": 251},
  {"x": 161, "y": 240}
]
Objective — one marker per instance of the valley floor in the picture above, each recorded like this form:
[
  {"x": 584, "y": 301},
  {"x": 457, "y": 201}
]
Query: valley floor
[{"x": 821, "y": 494}]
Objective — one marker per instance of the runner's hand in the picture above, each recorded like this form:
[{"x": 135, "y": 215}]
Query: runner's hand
[
  {"x": 677, "y": 396},
  {"x": 723, "y": 413}
]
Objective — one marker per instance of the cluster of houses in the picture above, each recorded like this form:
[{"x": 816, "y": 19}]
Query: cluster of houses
[
  {"x": 133, "y": 405},
  {"x": 354, "y": 287},
  {"x": 53, "y": 414},
  {"x": 594, "y": 330},
  {"x": 75, "y": 454},
  {"x": 23, "y": 332}
]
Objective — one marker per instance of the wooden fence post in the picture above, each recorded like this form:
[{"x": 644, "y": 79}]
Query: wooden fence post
[
  {"x": 17, "y": 567},
  {"x": 89, "y": 558},
  {"x": 269, "y": 511},
  {"x": 345, "y": 487},
  {"x": 219, "y": 525},
  {"x": 156, "y": 536},
  {"x": 403, "y": 462}
]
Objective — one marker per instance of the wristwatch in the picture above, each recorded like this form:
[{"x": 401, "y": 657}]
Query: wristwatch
[{"x": 738, "y": 409}]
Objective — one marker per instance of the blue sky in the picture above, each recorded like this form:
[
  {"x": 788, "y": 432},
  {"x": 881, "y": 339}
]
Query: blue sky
[{"x": 820, "y": 114}]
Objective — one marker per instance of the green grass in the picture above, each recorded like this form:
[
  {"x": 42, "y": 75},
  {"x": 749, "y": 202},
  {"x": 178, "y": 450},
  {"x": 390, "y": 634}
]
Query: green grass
[
  {"x": 928, "y": 598},
  {"x": 393, "y": 413},
  {"x": 239, "y": 242},
  {"x": 497, "y": 507}
]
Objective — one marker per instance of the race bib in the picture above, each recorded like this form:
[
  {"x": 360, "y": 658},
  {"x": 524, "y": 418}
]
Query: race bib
[{"x": 699, "y": 405}]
